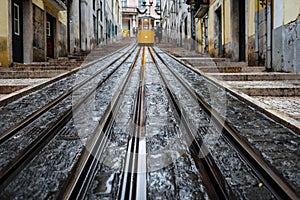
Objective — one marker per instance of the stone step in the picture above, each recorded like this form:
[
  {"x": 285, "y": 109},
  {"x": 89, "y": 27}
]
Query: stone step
[
  {"x": 30, "y": 74},
  {"x": 200, "y": 63},
  {"x": 204, "y": 59},
  {"x": 230, "y": 69},
  {"x": 221, "y": 69},
  {"x": 7, "y": 89},
  {"x": 271, "y": 91},
  {"x": 255, "y": 76},
  {"x": 43, "y": 68},
  {"x": 46, "y": 64},
  {"x": 255, "y": 69}
]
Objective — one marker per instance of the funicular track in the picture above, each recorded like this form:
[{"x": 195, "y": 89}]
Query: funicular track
[
  {"x": 278, "y": 187},
  {"x": 85, "y": 171},
  {"x": 213, "y": 180},
  {"x": 15, "y": 165},
  {"x": 134, "y": 178}
]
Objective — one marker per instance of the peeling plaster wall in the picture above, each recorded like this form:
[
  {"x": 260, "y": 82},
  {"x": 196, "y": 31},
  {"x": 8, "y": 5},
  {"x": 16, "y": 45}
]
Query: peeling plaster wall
[
  {"x": 286, "y": 47},
  {"x": 262, "y": 36},
  {"x": 286, "y": 34},
  {"x": 62, "y": 41},
  {"x": 62, "y": 37},
  {"x": 251, "y": 50},
  {"x": 27, "y": 31}
]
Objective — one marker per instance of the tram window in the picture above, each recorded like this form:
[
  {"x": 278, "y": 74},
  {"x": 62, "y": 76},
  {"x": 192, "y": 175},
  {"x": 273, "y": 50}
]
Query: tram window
[
  {"x": 140, "y": 24},
  {"x": 146, "y": 24}
]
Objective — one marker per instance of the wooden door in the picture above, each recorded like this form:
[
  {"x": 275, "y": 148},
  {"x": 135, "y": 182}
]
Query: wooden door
[{"x": 50, "y": 30}]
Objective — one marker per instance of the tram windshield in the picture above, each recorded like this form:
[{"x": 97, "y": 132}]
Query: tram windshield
[{"x": 146, "y": 24}]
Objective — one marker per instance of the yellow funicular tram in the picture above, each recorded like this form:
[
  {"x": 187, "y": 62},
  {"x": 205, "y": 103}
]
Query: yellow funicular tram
[{"x": 146, "y": 30}]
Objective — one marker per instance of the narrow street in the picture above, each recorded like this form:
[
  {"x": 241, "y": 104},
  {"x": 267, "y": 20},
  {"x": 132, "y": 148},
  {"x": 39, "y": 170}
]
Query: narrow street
[{"x": 137, "y": 122}]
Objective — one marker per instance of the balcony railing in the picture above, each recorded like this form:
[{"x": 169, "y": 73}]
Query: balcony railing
[
  {"x": 197, "y": 2},
  {"x": 201, "y": 7},
  {"x": 129, "y": 9},
  {"x": 59, "y": 4}
]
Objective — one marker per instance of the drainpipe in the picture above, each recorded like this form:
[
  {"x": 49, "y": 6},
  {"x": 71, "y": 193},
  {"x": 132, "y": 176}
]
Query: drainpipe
[
  {"x": 257, "y": 33},
  {"x": 223, "y": 28},
  {"x": 269, "y": 36},
  {"x": 68, "y": 25},
  {"x": 79, "y": 5}
]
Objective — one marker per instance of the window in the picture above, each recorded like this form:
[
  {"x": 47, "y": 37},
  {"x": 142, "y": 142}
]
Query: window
[
  {"x": 16, "y": 19},
  {"x": 48, "y": 32},
  {"x": 140, "y": 3},
  {"x": 124, "y": 3}
]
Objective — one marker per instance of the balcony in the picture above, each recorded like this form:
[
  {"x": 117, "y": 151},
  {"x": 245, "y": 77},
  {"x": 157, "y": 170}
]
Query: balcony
[
  {"x": 58, "y": 4},
  {"x": 201, "y": 8}
]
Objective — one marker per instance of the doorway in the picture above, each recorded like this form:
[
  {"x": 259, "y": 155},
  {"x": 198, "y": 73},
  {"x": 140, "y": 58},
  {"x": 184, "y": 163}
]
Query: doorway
[
  {"x": 242, "y": 30},
  {"x": 17, "y": 30},
  {"x": 50, "y": 30}
]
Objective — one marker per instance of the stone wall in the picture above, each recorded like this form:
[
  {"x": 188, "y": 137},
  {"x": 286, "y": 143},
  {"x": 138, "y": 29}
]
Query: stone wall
[
  {"x": 62, "y": 42},
  {"x": 38, "y": 35},
  {"x": 251, "y": 51}
]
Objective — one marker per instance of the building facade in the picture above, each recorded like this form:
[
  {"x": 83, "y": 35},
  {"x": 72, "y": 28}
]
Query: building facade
[
  {"x": 260, "y": 32},
  {"x": 92, "y": 23},
  {"x": 32, "y": 31},
  {"x": 38, "y": 30}
]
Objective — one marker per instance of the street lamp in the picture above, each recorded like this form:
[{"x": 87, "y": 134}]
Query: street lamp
[{"x": 148, "y": 5}]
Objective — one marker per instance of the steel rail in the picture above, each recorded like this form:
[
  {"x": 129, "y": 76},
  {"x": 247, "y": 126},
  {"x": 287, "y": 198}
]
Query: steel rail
[
  {"x": 16, "y": 164},
  {"x": 271, "y": 179},
  {"x": 213, "y": 180},
  {"x": 133, "y": 185},
  {"x": 84, "y": 172},
  {"x": 29, "y": 119}
]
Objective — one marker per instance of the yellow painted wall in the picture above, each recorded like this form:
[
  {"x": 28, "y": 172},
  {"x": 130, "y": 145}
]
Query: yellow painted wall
[
  {"x": 291, "y": 10},
  {"x": 199, "y": 36},
  {"x": 4, "y": 50},
  {"x": 251, "y": 18},
  {"x": 62, "y": 17},
  {"x": 211, "y": 28},
  {"x": 226, "y": 22}
]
